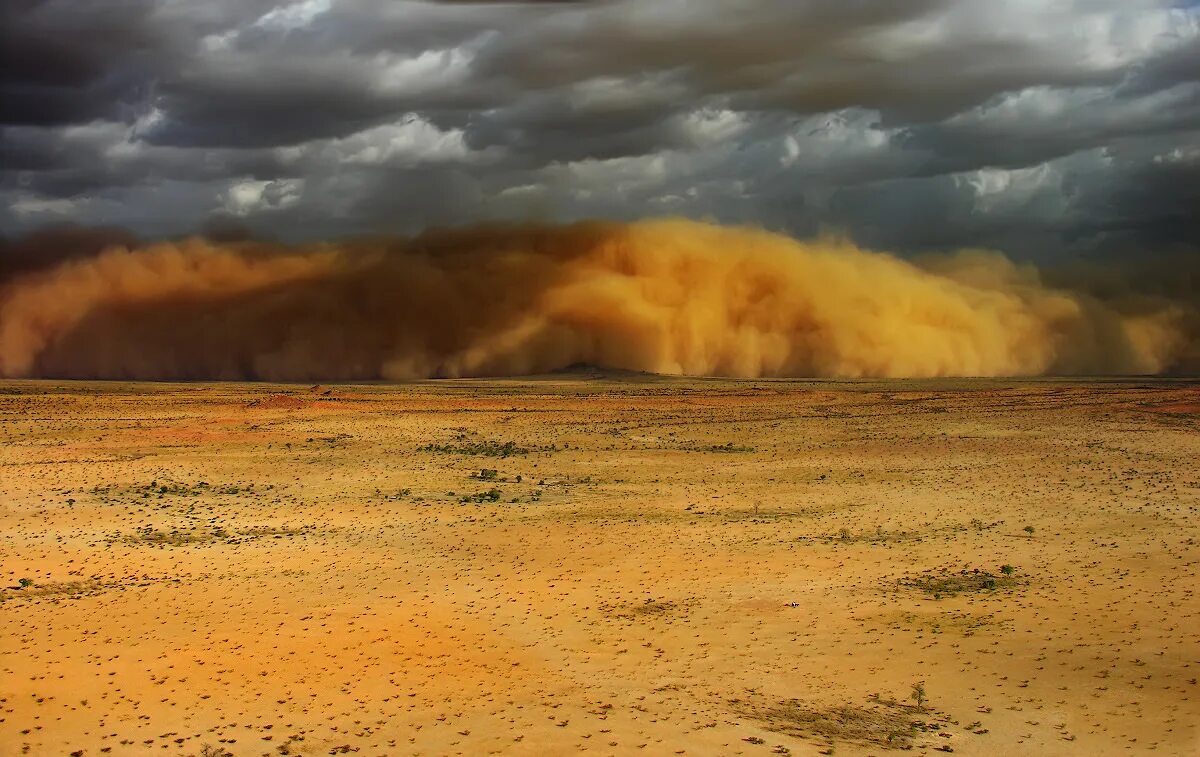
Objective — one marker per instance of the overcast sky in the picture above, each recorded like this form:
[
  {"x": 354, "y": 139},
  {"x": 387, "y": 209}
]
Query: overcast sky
[{"x": 1042, "y": 127}]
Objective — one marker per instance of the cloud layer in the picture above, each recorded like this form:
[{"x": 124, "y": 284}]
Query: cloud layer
[{"x": 1040, "y": 128}]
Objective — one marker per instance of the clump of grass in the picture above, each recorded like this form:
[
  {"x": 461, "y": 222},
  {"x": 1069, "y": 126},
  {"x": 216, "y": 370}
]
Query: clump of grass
[
  {"x": 880, "y": 536},
  {"x": 727, "y": 447},
  {"x": 173, "y": 538},
  {"x": 486, "y": 448},
  {"x": 885, "y": 723},
  {"x": 273, "y": 532},
  {"x": 330, "y": 442},
  {"x": 653, "y": 607},
  {"x": 53, "y": 590},
  {"x": 943, "y": 583},
  {"x": 398, "y": 495},
  {"x": 647, "y": 608},
  {"x": 952, "y": 622},
  {"x": 149, "y": 536},
  {"x": 167, "y": 487},
  {"x": 491, "y": 495}
]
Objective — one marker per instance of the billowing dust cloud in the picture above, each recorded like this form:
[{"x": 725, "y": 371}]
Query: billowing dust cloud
[{"x": 668, "y": 296}]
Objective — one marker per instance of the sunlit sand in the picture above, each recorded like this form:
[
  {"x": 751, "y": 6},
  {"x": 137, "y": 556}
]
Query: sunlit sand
[{"x": 604, "y": 564}]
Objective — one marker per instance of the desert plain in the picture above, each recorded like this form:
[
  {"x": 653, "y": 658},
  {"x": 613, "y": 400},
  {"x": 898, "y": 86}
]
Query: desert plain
[{"x": 600, "y": 564}]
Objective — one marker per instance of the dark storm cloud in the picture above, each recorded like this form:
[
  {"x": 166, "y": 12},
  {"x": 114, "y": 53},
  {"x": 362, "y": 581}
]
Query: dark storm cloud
[
  {"x": 1037, "y": 127},
  {"x": 1150, "y": 199},
  {"x": 60, "y": 67},
  {"x": 800, "y": 57}
]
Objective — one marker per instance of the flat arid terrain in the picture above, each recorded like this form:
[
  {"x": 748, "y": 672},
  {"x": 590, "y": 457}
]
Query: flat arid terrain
[{"x": 610, "y": 564}]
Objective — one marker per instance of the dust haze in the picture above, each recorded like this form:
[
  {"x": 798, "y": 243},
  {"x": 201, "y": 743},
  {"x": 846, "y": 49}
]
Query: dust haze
[{"x": 662, "y": 296}]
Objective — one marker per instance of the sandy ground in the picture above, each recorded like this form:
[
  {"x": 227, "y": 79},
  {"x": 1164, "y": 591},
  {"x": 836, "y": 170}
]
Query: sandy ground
[{"x": 654, "y": 567}]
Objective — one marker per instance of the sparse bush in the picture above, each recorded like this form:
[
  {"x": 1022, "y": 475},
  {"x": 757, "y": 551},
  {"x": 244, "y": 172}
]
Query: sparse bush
[
  {"x": 918, "y": 694},
  {"x": 884, "y": 724},
  {"x": 491, "y": 495},
  {"x": 726, "y": 447},
  {"x": 483, "y": 449},
  {"x": 947, "y": 584}
]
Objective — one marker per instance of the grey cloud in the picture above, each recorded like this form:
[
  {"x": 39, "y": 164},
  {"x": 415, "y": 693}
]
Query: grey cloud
[
  {"x": 70, "y": 62},
  {"x": 1039, "y": 128}
]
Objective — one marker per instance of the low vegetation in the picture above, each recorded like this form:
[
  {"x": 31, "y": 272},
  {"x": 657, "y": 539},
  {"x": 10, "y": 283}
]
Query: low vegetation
[
  {"x": 881, "y": 536},
  {"x": 729, "y": 447},
  {"x": 485, "y": 448},
  {"x": 943, "y": 583},
  {"x": 647, "y": 608},
  {"x": 883, "y": 723},
  {"x": 491, "y": 495},
  {"x": 149, "y": 536},
  {"x": 28, "y": 589},
  {"x": 161, "y": 488}
]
